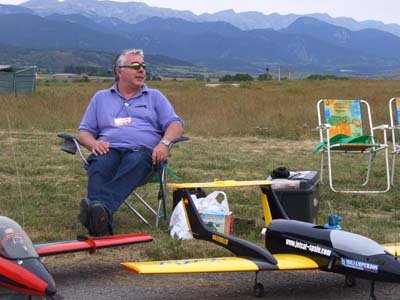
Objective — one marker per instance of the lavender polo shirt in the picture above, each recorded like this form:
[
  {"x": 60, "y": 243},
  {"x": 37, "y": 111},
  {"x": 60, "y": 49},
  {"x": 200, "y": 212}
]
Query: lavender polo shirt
[{"x": 133, "y": 123}]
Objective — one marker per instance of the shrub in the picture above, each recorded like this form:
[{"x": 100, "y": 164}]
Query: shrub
[
  {"x": 236, "y": 77},
  {"x": 324, "y": 77},
  {"x": 265, "y": 76}
]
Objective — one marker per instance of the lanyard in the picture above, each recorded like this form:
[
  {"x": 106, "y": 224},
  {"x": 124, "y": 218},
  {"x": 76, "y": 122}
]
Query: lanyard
[{"x": 124, "y": 107}]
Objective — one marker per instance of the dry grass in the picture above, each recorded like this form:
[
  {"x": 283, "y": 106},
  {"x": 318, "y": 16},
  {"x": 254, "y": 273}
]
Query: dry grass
[{"x": 283, "y": 109}]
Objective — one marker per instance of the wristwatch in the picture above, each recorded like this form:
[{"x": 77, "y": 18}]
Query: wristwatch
[{"x": 166, "y": 142}]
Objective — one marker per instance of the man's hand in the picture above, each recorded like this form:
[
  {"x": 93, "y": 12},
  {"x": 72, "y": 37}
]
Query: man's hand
[
  {"x": 100, "y": 147},
  {"x": 160, "y": 154},
  {"x": 97, "y": 147}
]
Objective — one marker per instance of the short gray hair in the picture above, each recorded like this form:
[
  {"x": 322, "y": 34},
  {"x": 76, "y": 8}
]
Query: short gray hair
[{"x": 121, "y": 57}]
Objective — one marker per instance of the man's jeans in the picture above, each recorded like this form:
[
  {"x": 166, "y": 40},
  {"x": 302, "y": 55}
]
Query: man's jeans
[{"x": 113, "y": 176}]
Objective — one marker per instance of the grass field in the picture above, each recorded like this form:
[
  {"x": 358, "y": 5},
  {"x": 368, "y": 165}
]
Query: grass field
[{"x": 239, "y": 133}]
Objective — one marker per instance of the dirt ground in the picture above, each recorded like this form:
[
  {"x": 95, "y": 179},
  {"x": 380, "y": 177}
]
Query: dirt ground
[{"x": 102, "y": 278}]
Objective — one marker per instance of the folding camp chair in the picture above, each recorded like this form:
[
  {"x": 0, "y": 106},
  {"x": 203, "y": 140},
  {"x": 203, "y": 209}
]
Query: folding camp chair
[
  {"x": 394, "y": 110},
  {"x": 341, "y": 129},
  {"x": 71, "y": 145}
]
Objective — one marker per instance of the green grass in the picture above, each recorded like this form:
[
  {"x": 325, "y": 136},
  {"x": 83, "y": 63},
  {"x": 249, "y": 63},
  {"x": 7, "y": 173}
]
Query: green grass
[{"x": 225, "y": 144}]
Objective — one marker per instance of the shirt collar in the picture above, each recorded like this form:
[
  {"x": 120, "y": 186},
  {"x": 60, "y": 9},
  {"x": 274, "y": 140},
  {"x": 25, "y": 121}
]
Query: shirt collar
[{"x": 114, "y": 89}]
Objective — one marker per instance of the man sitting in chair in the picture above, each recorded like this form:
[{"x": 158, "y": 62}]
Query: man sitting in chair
[{"x": 128, "y": 129}]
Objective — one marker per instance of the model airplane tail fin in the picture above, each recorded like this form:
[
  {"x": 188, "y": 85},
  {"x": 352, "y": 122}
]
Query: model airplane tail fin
[
  {"x": 272, "y": 207},
  {"x": 237, "y": 246}
]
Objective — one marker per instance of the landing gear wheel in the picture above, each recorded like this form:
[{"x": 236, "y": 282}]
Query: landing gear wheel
[
  {"x": 350, "y": 281},
  {"x": 372, "y": 293},
  {"x": 258, "y": 290}
]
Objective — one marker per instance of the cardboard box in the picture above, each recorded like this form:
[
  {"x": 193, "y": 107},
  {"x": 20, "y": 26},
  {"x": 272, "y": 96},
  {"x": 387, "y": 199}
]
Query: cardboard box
[{"x": 217, "y": 221}]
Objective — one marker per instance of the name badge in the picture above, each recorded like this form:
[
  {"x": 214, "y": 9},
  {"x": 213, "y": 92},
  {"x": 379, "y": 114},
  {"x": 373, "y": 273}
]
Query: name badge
[{"x": 122, "y": 121}]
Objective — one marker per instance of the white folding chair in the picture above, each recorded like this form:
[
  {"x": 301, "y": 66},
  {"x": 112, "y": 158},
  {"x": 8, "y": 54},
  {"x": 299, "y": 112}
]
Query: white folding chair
[
  {"x": 342, "y": 130},
  {"x": 394, "y": 111}
]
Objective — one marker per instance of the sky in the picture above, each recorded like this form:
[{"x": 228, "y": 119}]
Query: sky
[{"x": 386, "y": 11}]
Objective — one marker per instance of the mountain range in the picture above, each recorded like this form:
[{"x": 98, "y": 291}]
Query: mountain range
[
  {"x": 134, "y": 12},
  {"x": 302, "y": 43}
]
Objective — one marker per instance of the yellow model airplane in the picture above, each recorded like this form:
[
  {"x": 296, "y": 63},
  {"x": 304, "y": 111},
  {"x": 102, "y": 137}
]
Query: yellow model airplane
[{"x": 290, "y": 245}]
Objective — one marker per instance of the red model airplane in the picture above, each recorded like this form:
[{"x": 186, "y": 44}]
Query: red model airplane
[{"x": 21, "y": 269}]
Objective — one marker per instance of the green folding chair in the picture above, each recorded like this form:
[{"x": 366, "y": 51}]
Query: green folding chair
[
  {"x": 71, "y": 145},
  {"x": 342, "y": 130}
]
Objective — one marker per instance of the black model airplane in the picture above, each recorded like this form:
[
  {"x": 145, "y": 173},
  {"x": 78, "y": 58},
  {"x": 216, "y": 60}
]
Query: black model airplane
[
  {"x": 21, "y": 268},
  {"x": 290, "y": 245}
]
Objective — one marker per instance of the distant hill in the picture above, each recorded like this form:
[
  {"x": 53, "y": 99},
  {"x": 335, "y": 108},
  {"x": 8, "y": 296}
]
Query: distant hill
[
  {"x": 54, "y": 60},
  {"x": 134, "y": 12},
  {"x": 224, "y": 46},
  {"x": 14, "y": 9},
  {"x": 354, "y": 25},
  {"x": 130, "y": 12},
  {"x": 111, "y": 26},
  {"x": 256, "y": 20},
  {"x": 306, "y": 45},
  {"x": 366, "y": 41},
  {"x": 16, "y": 29}
]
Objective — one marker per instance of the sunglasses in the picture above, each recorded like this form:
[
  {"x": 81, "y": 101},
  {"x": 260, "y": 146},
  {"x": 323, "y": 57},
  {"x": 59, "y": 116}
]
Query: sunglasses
[{"x": 135, "y": 66}]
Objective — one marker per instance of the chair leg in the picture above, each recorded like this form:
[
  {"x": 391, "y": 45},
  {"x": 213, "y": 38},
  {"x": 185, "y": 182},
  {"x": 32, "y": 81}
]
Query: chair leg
[
  {"x": 136, "y": 212},
  {"x": 370, "y": 161},
  {"x": 144, "y": 203},
  {"x": 393, "y": 168},
  {"x": 162, "y": 195},
  {"x": 330, "y": 172},
  {"x": 371, "y": 157},
  {"x": 387, "y": 169},
  {"x": 321, "y": 175},
  {"x": 143, "y": 219},
  {"x": 161, "y": 210}
]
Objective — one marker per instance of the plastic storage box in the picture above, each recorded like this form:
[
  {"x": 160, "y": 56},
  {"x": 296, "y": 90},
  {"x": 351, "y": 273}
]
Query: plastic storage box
[{"x": 299, "y": 194}]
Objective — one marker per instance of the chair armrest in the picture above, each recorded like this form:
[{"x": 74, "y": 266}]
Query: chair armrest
[
  {"x": 324, "y": 126},
  {"x": 178, "y": 140},
  {"x": 384, "y": 129},
  {"x": 381, "y": 127},
  {"x": 70, "y": 143}
]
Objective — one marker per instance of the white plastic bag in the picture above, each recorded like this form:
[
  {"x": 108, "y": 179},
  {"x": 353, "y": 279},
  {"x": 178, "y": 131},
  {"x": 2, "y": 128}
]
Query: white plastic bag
[
  {"x": 178, "y": 223},
  {"x": 210, "y": 203}
]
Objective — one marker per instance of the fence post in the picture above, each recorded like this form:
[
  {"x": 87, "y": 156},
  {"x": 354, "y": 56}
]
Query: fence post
[{"x": 14, "y": 83}]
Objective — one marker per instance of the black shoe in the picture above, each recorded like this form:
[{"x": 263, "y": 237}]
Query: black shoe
[
  {"x": 85, "y": 208},
  {"x": 98, "y": 219}
]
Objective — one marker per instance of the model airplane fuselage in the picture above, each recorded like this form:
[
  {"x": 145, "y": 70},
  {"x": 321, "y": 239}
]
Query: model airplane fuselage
[
  {"x": 290, "y": 245},
  {"x": 21, "y": 268},
  {"x": 333, "y": 250}
]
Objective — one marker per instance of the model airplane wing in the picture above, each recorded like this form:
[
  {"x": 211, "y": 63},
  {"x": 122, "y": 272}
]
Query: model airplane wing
[
  {"x": 91, "y": 244},
  {"x": 392, "y": 248},
  {"x": 201, "y": 265},
  {"x": 221, "y": 264},
  {"x": 295, "y": 262},
  {"x": 249, "y": 257}
]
